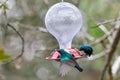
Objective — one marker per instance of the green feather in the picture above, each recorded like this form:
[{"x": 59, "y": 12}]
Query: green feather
[{"x": 65, "y": 56}]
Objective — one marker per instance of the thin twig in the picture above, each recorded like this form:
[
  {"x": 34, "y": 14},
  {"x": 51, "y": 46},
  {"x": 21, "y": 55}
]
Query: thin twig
[
  {"x": 105, "y": 22},
  {"x": 37, "y": 28},
  {"x": 103, "y": 37},
  {"x": 22, "y": 49},
  {"x": 104, "y": 29},
  {"x": 101, "y": 54}
]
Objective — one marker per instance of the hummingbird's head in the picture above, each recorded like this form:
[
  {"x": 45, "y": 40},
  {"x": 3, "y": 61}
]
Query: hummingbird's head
[{"x": 86, "y": 49}]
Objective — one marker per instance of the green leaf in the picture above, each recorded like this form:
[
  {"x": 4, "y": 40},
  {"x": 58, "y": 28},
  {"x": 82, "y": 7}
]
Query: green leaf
[
  {"x": 4, "y": 6},
  {"x": 3, "y": 56}
]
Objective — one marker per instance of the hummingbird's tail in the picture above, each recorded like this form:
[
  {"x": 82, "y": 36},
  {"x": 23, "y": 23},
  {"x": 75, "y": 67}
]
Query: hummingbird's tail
[{"x": 79, "y": 68}]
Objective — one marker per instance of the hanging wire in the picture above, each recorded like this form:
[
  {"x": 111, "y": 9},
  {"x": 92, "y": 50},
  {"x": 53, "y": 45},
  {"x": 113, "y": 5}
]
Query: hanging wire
[{"x": 62, "y": 0}]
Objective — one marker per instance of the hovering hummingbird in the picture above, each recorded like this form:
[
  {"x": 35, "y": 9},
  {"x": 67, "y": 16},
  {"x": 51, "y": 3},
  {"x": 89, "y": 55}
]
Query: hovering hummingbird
[
  {"x": 67, "y": 61},
  {"x": 86, "y": 49}
]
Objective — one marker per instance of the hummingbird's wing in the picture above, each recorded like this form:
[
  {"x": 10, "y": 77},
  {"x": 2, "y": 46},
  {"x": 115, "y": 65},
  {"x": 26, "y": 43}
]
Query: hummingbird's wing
[
  {"x": 64, "y": 69},
  {"x": 74, "y": 64},
  {"x": 66, "y": 66}
]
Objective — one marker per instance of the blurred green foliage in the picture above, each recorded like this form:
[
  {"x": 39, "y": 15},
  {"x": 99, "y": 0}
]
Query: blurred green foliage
[
  {"x": 99, "y": 11},
  {"x": 3, "y": 6},
  {"x": 4, "y": 56},
  {"x": 93, "y": 29}
]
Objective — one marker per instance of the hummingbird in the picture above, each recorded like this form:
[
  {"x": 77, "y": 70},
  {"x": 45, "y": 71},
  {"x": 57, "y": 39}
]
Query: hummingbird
[
  {"x": 67, "y": 61},
  {"x": 86, "y": 49}
]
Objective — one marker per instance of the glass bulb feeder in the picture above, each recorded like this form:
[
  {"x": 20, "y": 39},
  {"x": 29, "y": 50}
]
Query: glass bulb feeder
[{"x": 63, "y": 20}]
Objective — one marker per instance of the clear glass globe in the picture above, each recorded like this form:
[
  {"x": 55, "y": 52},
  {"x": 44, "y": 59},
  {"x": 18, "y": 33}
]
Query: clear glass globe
[{"x": 63, "y": 20}]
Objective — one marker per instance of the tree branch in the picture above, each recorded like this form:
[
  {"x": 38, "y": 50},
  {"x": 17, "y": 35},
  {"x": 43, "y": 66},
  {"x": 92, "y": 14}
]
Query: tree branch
[{"x": 112, "y": 48}]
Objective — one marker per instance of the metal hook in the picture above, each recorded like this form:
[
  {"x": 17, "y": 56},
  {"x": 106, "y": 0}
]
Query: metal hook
[{"x": 62, "y": 0}]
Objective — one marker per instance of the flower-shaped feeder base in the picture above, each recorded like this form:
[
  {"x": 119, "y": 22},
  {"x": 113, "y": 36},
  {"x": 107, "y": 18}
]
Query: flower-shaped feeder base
[{"x": 74, "y": 52}]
